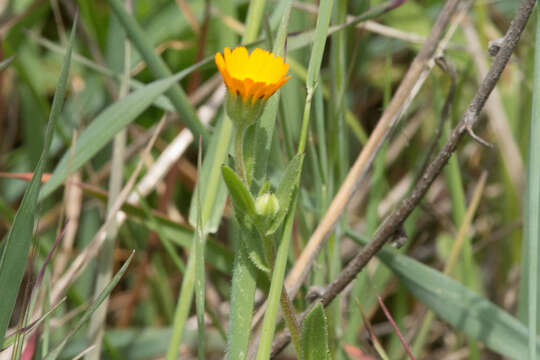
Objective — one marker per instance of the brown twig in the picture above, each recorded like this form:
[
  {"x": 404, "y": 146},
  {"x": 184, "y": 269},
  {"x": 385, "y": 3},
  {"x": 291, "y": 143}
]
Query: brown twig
[{"x": 469, "y": 119}]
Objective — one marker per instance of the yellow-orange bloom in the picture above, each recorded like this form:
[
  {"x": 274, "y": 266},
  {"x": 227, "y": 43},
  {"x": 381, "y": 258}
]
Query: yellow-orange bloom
[{"x": 252, "y": 76}]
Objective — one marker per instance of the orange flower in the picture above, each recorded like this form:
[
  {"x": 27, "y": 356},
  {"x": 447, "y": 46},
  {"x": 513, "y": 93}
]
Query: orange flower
[{"x": 254, "y": 76}]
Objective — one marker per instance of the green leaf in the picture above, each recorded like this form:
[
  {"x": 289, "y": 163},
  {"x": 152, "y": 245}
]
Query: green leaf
[
  {"x": 252, "y": 243},
  {"x": 243, "y": 202},
  {"x": 246, "y": 215},
  {"x": 88, "y": 313},
  {"x": 107, "y": 124},
  {"x": 460, "y": 307},
  {"x": 286, "y": 189},
  {"x": 17, "y": 244},
  {"x": 529, "y": 298},
  {"x": 314, "y": 337},
  {"x": 242, "y": 297}
]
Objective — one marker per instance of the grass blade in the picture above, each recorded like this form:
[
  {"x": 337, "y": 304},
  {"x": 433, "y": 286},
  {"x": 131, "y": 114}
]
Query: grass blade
[
  {"x": 17, "y": 243},
  {"x": 531, "y": 236},
  {"x": 86, "y": 316},
  {"x": 184, "y": 302},
  {"x": 264, "y": 130},
  {"x": 211, "y": 184},
  {"x": 276, "y": 287},
  {"x": 200, "y": 281}
]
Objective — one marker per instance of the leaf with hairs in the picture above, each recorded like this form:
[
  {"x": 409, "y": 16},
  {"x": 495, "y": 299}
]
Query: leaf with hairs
[{"x": 314, "y": 337}]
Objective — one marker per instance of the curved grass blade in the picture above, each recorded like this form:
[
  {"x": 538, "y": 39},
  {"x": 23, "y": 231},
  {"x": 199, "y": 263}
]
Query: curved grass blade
[{"x": 17, "y": 243}]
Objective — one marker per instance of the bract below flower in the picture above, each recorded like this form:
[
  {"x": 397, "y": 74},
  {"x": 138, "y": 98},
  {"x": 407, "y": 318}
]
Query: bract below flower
[{"x": 250, "y": 79}]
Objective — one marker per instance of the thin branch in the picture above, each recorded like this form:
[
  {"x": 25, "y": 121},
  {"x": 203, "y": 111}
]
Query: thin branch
[{"x": 469, "y": 119}]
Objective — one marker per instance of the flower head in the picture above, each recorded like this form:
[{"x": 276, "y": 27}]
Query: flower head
[{"x": 254, "y": 76}]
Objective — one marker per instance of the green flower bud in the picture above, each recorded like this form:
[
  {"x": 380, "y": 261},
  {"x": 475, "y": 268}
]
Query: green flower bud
[{"x": 267, "y": 205}]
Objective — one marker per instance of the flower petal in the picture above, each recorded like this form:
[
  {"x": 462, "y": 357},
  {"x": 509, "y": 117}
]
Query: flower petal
[{"x": 253, "y": 76}]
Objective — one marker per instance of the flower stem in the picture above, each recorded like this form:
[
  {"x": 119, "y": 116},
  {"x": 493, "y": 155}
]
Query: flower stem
[{"x": 239, "y": 153}]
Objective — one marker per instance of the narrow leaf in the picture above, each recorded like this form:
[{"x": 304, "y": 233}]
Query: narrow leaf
[
  {"x": 240, "y": 195},
  {"x": 242, "y": 298}
]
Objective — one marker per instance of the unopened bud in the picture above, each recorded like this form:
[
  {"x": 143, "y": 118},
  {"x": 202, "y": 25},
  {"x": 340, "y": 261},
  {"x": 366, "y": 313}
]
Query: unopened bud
[{"x": 267, "y": 205}]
